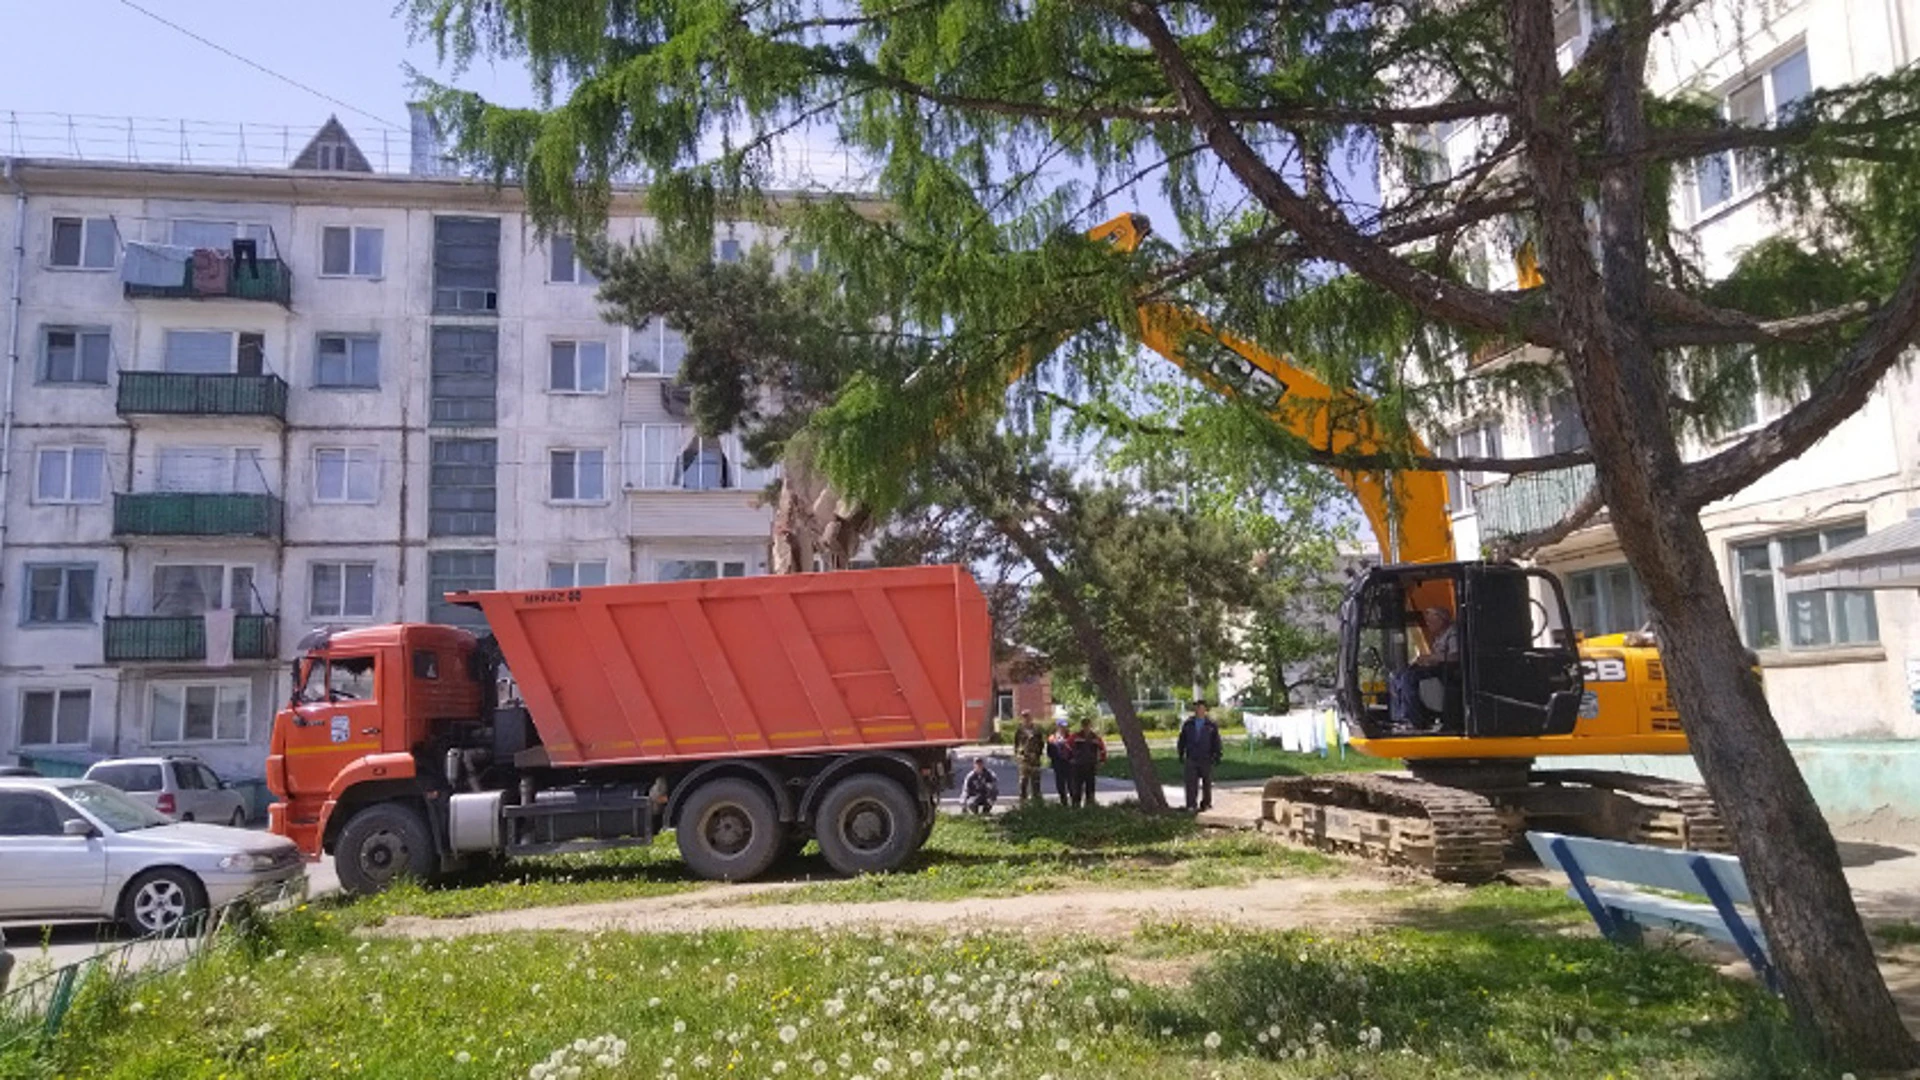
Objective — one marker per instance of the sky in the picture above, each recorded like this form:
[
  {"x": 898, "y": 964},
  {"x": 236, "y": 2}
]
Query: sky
[{"x": 104, "y": 58}]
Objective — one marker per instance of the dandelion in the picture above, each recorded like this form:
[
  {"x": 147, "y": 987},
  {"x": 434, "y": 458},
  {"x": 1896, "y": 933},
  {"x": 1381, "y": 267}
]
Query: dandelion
[
  {"x": 960, "y": 1048},
  {"x": 1121, "y": 993},
  {"x": 916, "y": 1059},
  {"x": 1062, "y": 1045},
  {"x": 679, "y": 1027},
  {"x": 789, "y": 1033},
  {"x": 1561, "y": 1045},
  {"x": 447, "y": 978},
  {"x": 1584, "y": 1035},
  {"x": 462, "y": 1058},
  {"x": 819, "y": 1067},
  {"x": 845, "y": 1059},
  {"x": 1212, "y": 1040},
  {"x": 779, "y": 1067},
  {"x": 653, "y": 1003},
  {"x": 882, "y": 1066},
  {"x": 137, "y": 1007}
]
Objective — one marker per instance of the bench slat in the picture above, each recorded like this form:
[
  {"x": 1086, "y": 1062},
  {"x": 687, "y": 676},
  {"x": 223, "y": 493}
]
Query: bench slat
[
  {"x": 1669, "y": 913},
  {"x": 1659, "y": 868}
]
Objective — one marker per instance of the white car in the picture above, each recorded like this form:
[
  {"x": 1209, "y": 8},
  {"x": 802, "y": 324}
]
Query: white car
[
  {"x": 181, "y": 787},
  {"x": 76, "y": 849}
]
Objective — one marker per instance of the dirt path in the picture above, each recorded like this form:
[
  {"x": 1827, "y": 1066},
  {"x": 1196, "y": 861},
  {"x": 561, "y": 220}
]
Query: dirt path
[{"x": 1279, "y": 903}]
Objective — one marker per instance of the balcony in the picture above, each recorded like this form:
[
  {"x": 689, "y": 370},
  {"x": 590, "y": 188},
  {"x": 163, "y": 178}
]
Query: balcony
[
  {"x": 188, "y": 513},
  {"x": 172, "y": 393},
  {"x": 1530, "y": 502},
  {"x": 183, "y": 639},
  {"x": 261, "y": 279}
]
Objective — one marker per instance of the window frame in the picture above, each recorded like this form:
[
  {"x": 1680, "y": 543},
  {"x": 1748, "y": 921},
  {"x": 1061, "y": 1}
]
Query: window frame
[
  {"x": 66, "y": 617},
  {"x": 87, "y": 226},
  {"x": 40, "y": 498},
  {"x": 367, "y": 455},
  {"x": 232, "y": 458},
  {"x": 342, "y": 567},
  {"x": 572, "y": 575},
  {"x": 576, "y": 499},
  {"x": 578, "y": 272},
  {"x": 354, "y": 269},
  {"x": 237, "y": 340},
  {"x": 1782, "y": 602},
  {"x": 80, "y": 334},
  {"x": 231, "y": 574},
  {"x": 59, "y": 695},
  {"x": 655, "y": 327},
  {"x": 1462, "y": 483},
  {"x": 1741, "y": 186},
  {"x": 220, "y": 688},
  {"x": 730, "y": 249},
  {"x": 720, "y": 564},
  {"x": 348, "y": 339},
  {"x": 575, "y": 344},
  {"x": 1606, "y": 620}
]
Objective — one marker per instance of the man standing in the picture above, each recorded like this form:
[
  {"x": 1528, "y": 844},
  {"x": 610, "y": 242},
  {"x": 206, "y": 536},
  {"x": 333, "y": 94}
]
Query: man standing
[
  {"x": 1089, "y": 752},
  {"x": 1029, "y": 746},
  {"x": 1060, "y": 754},
  {"x": 1199, "y": 749}
]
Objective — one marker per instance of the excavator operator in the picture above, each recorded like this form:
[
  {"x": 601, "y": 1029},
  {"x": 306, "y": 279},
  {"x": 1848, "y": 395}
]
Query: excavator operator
[{"x": 1419, "y": 689}]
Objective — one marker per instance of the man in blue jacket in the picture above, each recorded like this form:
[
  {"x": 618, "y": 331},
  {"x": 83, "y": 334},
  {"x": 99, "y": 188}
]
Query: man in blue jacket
[{"x": 1199, "y": 749}]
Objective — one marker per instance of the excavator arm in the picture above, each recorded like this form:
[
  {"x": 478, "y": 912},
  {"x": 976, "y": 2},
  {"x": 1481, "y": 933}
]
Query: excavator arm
[{"x": 1407, "y": 509}]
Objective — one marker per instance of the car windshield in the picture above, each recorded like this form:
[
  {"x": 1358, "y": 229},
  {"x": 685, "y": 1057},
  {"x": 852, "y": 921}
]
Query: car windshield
[{"x": 115, "y": 810}]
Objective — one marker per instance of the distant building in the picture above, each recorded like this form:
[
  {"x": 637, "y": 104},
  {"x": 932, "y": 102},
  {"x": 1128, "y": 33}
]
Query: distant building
[{"x": 1022, "y": 683}]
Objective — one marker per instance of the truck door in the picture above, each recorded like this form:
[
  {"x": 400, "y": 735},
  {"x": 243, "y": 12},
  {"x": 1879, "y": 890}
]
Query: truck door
[
  {"x": 1522, "y": 667},
  {"x": 337, "y": 718}
]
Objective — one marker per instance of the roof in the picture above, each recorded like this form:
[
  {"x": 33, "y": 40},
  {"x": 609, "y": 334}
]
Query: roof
[
  {"x": 1887, "y": 559},
  {"x": 43, "y": 781},
  {"x": 332, "y": 149}
]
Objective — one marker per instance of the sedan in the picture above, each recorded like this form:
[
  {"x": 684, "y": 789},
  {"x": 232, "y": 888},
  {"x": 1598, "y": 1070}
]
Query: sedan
[{"x": 76, "y": 849}]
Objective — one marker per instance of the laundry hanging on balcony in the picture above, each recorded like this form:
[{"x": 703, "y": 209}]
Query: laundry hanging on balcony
[
  {"x": 163, "y": 265},
  {"x": 211, "y": 271}
]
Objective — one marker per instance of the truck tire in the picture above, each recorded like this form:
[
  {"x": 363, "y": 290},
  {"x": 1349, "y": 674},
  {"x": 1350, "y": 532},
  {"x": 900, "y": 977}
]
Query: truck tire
[
  {"x": 729, "y": 831},
  {"x": 867, "y": 824},
  {"x": 381, "y": 844}
]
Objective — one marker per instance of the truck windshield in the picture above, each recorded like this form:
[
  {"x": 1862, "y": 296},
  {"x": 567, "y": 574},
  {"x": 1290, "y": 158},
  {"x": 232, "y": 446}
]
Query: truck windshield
[{"x": 341, "y": 678}]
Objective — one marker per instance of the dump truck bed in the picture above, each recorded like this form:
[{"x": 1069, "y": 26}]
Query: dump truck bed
[{"x": 787, "y": 664}]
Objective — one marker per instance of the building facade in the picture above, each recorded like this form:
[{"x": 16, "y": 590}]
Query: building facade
[
  {"x": 245, "y": 403},
  {"x": 1837, "y": 665}
]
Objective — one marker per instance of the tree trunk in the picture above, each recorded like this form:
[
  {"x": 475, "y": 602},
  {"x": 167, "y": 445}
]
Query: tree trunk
[{"x": 812, "y": 525}]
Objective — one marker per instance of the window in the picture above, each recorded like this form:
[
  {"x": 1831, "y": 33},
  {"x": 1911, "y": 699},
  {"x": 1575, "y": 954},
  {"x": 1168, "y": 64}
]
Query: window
[
  {"x": 656, "y": 349},
  {"x": 805, "y": 259},
  {"x": 59, "y": 594},
  {"x": 198, "y": 712},
  {"x": 426, "y": 664},
  {"x": 466, "y": 365},
  {"x": 1430, "y": 164},
  {"x": 1813, "y": 620},
  {"x": 218, "y": 470},
  {"x": 698, "y": 569},
  {"x": 82, "y": 244},
  {"x": 346, "y": 474},
  {"x": 577, "y": 367},
  {"x": 578, "y": 475},
  {"x": 129, "y": 777},
  {"x": 70, "y": 474},
  {"x": 73, "y": 354},
  {"x": 343, "y": 678},
  {"x": 186, "y": 589},
  {"x": 466, "y": 265},
  {"x": 453, "y": 571},
  {"x": 351, "y": 251},
  {"x": 1560, "y": 429},
  {"x": 1606, "y": 600},
  {"x": 675, "y": 456},
  {"x": 341, "y": 590},
  {"x": 1480, "y": 440},
  {"x": 569, "y": 575},
  {"x": 347, "y": 361},
  {"x": 460, "y": 488},
  {"x": 730, "y": 250},
  {"x": 1766, "y": 98},
  {"x": 215, "y": 352},
  {"x": 564, "y": 265},
  {"x": 29, "y": 813},
  {"x": 55, "y": 717}
]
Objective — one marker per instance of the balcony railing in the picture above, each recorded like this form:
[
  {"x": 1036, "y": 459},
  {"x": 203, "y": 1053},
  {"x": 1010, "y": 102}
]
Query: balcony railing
[
  {"x": 263, "y": 279},
  {"x": 174, "y": 393},
  {"x": 1530, "y": 502},
  {"x": 188, "y": 513},
  {"x": 169, "y": 639}
]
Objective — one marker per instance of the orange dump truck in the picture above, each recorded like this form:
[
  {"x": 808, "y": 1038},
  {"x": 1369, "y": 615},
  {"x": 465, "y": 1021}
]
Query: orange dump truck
[{"x": 747, "y": 714}]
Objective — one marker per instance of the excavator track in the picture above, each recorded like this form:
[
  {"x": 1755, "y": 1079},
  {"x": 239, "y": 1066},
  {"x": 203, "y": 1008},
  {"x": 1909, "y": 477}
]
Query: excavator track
[
  {"x": 1452, "y": 834},
  {"x": 1671, "y": 813}
]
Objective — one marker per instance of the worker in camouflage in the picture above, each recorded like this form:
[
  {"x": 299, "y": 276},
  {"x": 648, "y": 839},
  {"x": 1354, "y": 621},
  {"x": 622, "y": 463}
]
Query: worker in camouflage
[{"x": 1029, "y": 748}]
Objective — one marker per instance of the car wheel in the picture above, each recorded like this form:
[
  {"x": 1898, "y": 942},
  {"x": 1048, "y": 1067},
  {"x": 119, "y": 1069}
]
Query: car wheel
[
  {"x": 239, "y": 818},
  {"x": 729, "y": 831},
  {"x": 186, "y": 817},
  {"x": 867, "y": 824},
  {"x": 380, "y": 845},
  {"x": 159, "y": 901}
]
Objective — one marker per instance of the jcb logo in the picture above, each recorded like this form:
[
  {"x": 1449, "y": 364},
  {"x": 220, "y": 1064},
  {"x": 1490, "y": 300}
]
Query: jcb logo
[{"x": 1611, "y": 670}]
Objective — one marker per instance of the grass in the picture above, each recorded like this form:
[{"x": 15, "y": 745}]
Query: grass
[
  {"x": 302, "y": 998},
  {"x": 1900, "y": 933},
  {"x": 1241, "y": 762},
  {"x": 1044, "y": 847}
]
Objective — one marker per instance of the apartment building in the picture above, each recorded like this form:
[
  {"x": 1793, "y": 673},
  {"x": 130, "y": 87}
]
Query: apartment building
[
  {"x": 1838, "y": 665},
  {"x": 247, "y": 402}
]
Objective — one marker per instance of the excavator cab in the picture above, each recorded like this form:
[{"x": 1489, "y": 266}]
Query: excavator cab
[{"x": 1475, "y": 650}]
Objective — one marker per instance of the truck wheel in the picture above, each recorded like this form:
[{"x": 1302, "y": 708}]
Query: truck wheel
[
  {"x": 729, "y": 831},
  {"x": 867, "y": 824},
  {"x": 381, "y": 844}
]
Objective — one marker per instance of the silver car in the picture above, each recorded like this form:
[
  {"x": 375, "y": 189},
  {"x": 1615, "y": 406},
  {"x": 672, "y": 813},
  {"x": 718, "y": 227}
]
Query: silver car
[
  {"x": 181, "y": 787},
  {"x": 76, "y": 849}
]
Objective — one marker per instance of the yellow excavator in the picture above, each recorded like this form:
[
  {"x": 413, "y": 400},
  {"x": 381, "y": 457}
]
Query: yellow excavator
[{"x": 1517, "y": 683}]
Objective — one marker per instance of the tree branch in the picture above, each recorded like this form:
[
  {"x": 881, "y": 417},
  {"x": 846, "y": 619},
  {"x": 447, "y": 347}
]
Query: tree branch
[
  {"x": 1519, "y": 547},
  {"x": 1844, "y": 390}
]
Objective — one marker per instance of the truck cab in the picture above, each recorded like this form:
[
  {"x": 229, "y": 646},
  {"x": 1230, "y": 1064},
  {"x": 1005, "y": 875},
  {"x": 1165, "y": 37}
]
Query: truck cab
[{"x": 363, "y": 702}]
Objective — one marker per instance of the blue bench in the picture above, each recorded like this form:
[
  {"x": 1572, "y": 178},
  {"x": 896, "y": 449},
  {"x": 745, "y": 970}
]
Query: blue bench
[{"x": 1621, "y": 914}]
